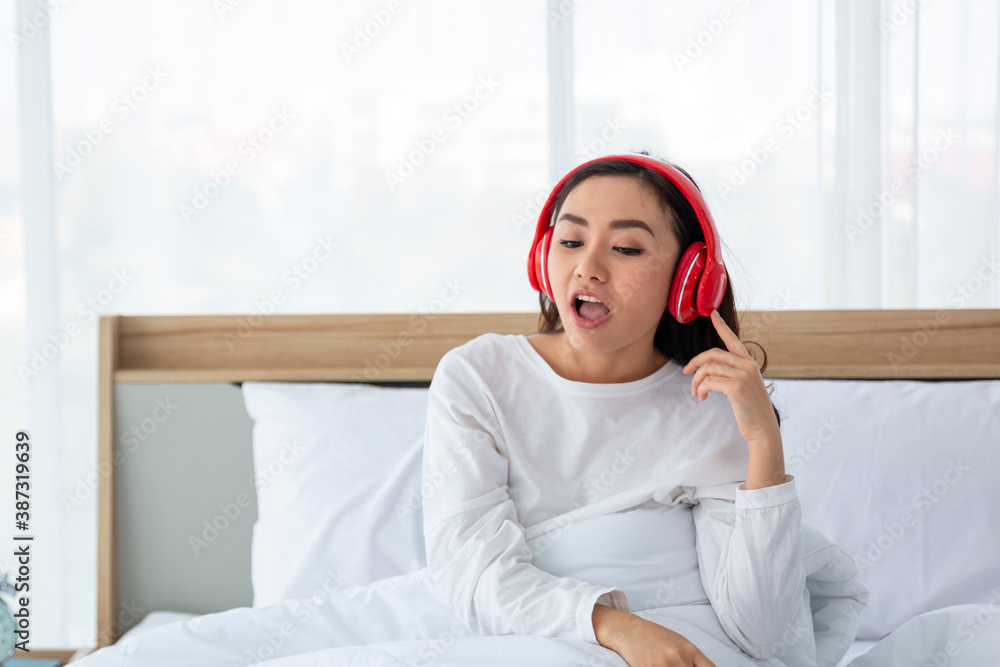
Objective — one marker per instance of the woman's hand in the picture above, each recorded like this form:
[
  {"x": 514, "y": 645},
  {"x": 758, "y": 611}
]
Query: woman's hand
[
  {"x": 642, "y": 643},
  {"x": 737, "y": 375}
]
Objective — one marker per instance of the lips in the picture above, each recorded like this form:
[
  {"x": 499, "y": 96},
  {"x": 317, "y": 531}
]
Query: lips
[
  {"x": 587, "y": 292},
  {"x": 580, "y": 321}
]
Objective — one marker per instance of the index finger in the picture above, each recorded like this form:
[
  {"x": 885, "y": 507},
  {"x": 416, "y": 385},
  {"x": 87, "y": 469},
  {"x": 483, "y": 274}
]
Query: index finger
[{"x": 732, "y": 341}]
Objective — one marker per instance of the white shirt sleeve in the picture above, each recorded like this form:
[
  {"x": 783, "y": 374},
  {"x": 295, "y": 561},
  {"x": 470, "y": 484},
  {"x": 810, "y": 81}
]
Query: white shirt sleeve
[
  {"x": 476, "y": 551},
  {"x": 750, "y": 558}
]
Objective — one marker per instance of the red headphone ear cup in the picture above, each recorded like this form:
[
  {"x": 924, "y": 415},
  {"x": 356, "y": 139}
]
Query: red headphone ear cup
[
  {"x": 711, "y": 289},
  {"x": 534, "y": 276},
  {"x": 681, "y": 302},
  {"x": 538, "y": 264}
]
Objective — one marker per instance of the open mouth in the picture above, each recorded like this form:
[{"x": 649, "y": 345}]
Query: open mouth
[{"x": 592, "y": 311}]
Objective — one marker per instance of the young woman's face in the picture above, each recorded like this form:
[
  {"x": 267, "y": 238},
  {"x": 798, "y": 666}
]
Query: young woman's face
[{"x": 628, "y": 266}]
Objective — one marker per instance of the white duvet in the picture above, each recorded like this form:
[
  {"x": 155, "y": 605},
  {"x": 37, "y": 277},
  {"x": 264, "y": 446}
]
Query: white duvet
[{"x": 403, "y": 621}]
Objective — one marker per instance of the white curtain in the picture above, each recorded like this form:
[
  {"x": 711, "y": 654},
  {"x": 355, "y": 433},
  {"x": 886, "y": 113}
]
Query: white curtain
[{"x": 315, "y": 157}]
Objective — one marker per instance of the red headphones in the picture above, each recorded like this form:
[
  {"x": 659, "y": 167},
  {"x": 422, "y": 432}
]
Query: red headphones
[{"x": 699, "y": 280}]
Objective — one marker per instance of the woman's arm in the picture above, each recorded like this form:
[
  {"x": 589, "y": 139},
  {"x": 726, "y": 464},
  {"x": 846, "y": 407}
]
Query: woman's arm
[
  {"x": 750, "y": 551},
  {"x": 642, "y": 643},
  {"x": 476, "y": 550},
  {"x": 767, "y": 462},
  {"x": 750, "y": 561}
]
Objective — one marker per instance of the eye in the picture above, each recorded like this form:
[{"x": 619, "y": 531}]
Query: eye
[{"x": 630, "y": 251}]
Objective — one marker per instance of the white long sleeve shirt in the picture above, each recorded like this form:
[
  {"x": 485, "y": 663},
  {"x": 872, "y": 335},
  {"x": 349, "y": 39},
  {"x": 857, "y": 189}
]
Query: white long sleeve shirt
[{"x": 513, "y": 450}]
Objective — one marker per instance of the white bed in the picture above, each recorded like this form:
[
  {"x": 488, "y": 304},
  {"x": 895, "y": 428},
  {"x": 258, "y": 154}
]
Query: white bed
[{"x": 892, "y": 429}]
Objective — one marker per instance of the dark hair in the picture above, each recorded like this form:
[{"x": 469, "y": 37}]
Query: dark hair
[{"x": 680, "y": 342}]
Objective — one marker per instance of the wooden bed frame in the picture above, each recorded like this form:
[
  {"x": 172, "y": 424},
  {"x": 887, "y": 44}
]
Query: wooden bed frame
[{"x": 807, "y": 344}]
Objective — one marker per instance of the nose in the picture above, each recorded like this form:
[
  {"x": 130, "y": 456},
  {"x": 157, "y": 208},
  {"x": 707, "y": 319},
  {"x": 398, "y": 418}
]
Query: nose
[{"x": 591, "y": 264}]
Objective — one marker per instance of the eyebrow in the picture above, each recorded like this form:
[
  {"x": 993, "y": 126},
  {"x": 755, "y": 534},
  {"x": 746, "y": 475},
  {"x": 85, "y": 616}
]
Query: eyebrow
[{"x": 615, "y": 224}]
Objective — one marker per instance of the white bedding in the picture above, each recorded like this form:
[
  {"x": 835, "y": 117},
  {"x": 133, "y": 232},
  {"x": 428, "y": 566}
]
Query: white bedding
[
  {"x": 157, "y": 618},
  {"x": 403, "y": 620},
  {"x": 858, "y": 646},
  {"x": 951, "y": 636}
]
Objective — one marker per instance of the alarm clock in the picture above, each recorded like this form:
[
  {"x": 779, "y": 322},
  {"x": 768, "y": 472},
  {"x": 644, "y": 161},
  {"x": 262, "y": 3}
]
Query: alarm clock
[{"x": 8, "y": 626}]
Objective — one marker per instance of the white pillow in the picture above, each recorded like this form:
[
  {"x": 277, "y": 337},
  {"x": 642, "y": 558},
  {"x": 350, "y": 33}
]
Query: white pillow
[
  {"x": 337, "y": 469},
  {"x": 903, "y": 476}
]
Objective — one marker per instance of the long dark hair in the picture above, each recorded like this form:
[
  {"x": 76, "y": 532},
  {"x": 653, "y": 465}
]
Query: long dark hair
[{"x": 680, "y": 342}]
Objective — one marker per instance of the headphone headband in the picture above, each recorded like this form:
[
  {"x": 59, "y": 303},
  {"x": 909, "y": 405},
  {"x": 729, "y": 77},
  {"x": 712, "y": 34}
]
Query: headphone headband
[{"x": 704, "y": 278}]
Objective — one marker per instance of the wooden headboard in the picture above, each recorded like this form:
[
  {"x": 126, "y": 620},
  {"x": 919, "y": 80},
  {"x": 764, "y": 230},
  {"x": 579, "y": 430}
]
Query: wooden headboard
[{"x": 391, "y": 348}]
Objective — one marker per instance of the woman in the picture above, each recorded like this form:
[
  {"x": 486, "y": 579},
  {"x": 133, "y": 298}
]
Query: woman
[{"x": 525, "y": 422}]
